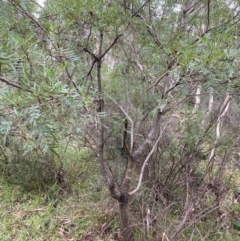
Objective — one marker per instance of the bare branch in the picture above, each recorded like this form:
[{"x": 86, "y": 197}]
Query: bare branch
[
  {"x": 223, "y": 111},
  {"x": 39, "y": 5},
  {"x": 190, "y": 7},
  {"x": 100, "y": 145},
  {"x": 147, "y": 159}
]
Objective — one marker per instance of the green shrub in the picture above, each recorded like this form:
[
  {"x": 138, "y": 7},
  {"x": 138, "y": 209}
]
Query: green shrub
[{"x": 34, "y": 170}]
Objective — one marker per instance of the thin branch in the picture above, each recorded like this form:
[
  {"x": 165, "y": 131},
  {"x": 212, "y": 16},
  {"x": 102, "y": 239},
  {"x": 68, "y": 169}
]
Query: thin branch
[
  {"x": 150, "y": 137},
  {"x": 191, "y": 8},
  {"x": 35, "y": 2},
  {"x": 161, "y": 77},
  {"x": 91, "y": 53},
  {"x": 99, "y": 65},
  {"x": 100, "y": 145},
  {"x": 173, "y": 87},
  {"x": 182, "y": 224},
  {"x": 223, "y": 111},
  {"x": 151, "y": 31},
  {"x": 147, "y": 159},
  {"x": 208, "y": 14},
  {"x": 129, "y": 118},
  {"x": 14, "y": 85},
  {"x": 89, "y": 72},
  {"x": 100, "y": 55},
  {"x": 110, "y": 46},
  {"x": 70, "y": 77},
  {"x": 38, "y": 24},
  {"x": 29, "y": 16},
  {"x": 135, "y": 13}
]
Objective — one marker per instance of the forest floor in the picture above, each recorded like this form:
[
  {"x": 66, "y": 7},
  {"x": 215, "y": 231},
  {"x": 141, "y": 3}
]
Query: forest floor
[{"x": 77, "y": 209}]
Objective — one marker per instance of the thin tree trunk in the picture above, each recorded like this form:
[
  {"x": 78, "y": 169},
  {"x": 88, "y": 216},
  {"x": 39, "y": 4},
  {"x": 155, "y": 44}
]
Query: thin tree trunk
[
  {"x": 126, "y": 228},
  {"x": 120, "y": 194}
]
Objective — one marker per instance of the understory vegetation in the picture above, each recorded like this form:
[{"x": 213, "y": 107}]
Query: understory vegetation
[{"x": 44, "y": 199}]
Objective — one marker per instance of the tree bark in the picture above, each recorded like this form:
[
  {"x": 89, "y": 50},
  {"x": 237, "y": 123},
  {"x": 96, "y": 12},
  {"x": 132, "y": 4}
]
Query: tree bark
[{"x": 126, "y": 228}]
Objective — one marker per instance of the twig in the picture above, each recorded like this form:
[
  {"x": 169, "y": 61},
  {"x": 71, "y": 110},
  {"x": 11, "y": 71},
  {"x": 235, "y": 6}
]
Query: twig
[
  {"x": 14, "y": 85},
  {"x": 91, "y": 53},
  {"x": 89, "y": 72},
  {"x": 161, "y": 77},
  {"x": 70, "y": 77},
  {"x": 135, "y": 13}
]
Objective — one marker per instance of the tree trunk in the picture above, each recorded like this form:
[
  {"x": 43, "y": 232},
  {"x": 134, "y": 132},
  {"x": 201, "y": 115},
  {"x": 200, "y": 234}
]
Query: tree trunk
[{"x": 126, "y": 228}]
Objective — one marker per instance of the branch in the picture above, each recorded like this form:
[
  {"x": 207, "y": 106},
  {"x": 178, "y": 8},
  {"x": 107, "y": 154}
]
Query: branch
[
  {"x": 100, "y": 55},
  {"x": 128, "y": 117},
  {"x": 100, "y": 145},
  {"x": 134, "y": 14},
  {"x": 190, "y": 8},
  {"x": 89, "y": 72},
  {"x": 31, "y": 17},
  {"x": 92, "y": 54},
  {"x": 151, "y": 31},
  {"x": 147, "y": 159},
  {"x": 28, "y": 15},
  {"x": 110, "y": 46},
  {"x": 171, "y": 88},
  {"x": 14, "y": 85},
  {"x": 161, "y": 77},
  {"x": 208, "y": 14},
  {"x": 182, "y": 224},
  {"x": 70, "y": 77},
  {"x": 150, "y": 137},
  {"x": 35, "y": 2}
]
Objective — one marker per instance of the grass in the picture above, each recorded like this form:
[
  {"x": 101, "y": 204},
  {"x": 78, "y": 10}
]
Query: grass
[
  {"x": 29, "y": 217},
  {"x": 79, "y": 208},
  {"x": 73, "y": 210}
]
